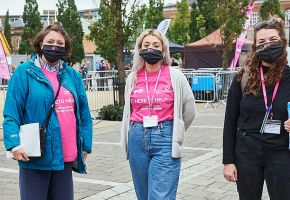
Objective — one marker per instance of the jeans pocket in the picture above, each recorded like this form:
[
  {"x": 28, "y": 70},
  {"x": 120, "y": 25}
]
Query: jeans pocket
[
  {"x": 241, "y": 134},
  {"x": 131, "y": 127},
  {"x": 166, "y": 131}
]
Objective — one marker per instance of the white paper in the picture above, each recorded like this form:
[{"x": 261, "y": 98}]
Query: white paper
[{"x": 29, "y": 140}]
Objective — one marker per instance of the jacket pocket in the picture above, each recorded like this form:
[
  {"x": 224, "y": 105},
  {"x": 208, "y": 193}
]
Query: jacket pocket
[
  {"x": 179, "y": 130},
  {"x": 46, "y": 159}
]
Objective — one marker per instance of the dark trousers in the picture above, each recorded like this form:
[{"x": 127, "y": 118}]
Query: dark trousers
[
  {"x": 46, "y": 185},
  {"x": 256, "y": 163}
]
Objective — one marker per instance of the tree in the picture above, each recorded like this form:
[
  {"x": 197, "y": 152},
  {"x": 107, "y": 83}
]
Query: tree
[
  {"x": 69, "y": 19},
  {"x": 112, "y": 32},
  {"x": 230, "y": 16},
  {"x": 105, "y": 45},
  {"x": 32, "y": 25},
  {"x": 271, "y": 8},
  {"x": 207, "y": 11},
  {"x": 7, "y": 29},
  {"x": 193, "y": 24},
  {"x": 154, "y": 13},
  {"x": 138, "y": 23},
  {"x": 200, "y": 23},
  {"x": 179, "y": 30}
]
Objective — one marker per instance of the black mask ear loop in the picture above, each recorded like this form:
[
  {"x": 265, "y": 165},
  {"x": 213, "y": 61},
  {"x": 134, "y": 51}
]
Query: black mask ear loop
[{"x": 140, "y": 49}]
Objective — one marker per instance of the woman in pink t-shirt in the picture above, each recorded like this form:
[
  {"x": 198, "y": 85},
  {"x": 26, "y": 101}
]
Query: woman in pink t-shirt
[{"x": 159, "y": 107}]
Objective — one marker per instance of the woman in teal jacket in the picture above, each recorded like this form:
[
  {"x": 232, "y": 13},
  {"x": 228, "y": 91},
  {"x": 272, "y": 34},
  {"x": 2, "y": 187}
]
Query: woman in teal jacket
[{"x": 68, "y": 140}]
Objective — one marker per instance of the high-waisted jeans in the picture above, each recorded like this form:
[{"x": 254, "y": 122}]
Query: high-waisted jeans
[
  {"x": 155, "y": 173},
  {"x": 256, "y": 163}
]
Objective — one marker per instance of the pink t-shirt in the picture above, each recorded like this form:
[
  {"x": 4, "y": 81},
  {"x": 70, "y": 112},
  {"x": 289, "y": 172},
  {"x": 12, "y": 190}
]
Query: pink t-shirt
[
  {"x": 163, "y": 98},
  {"x": 65, "y": 106}
]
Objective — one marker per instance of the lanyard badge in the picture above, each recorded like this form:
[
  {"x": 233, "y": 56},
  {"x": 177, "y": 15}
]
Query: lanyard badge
[
  {"x": 151, "y": 120},
  {"x": 269, "y": 125}
]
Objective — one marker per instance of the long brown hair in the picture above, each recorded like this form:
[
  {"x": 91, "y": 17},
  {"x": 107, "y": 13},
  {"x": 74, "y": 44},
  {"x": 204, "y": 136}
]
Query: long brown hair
[{"x": 253, "y": 62}]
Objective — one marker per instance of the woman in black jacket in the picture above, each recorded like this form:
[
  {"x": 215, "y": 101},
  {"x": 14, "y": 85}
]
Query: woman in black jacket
[{"x": 255, "y": 141}]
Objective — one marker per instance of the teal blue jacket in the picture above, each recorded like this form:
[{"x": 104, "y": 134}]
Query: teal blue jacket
[{"x": 28, "y": 100}]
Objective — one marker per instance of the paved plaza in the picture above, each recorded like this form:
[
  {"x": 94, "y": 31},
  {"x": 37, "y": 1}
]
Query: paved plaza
[{"x": 109, "y": 175}]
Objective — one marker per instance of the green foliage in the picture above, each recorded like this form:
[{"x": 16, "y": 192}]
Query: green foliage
[
  {"x": 101, "y": 33},
  {"x": 178, "y": 33},
  {"x": 109, "y": 29},
  {"x": 207, "y": 11},
  {"x": 32, "y": 25},
  {"x": 112, "y": 32},
  {"x": 200, "y": 23},
  {"x": 69, "y": 19},
  {"x": 137, "y": 24},
  {"x": 194, "y": 32},
  {"x": 154, "y": 13},
  {"x": 230, "y": 19},
  {"x": 111, "y": 112},
  {"x": 271, "y": 8},
  {"x": 7, "y": 29}
]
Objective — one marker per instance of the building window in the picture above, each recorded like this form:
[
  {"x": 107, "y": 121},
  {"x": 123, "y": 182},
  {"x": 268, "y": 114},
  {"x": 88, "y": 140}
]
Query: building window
[{"x": 255, "y": 18}]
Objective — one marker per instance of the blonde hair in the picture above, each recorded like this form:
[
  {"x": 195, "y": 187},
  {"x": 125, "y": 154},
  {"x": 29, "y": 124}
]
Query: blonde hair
[{"x": 138, "y": 61}]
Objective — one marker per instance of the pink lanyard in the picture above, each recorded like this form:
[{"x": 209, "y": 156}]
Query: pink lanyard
[
  {"x": 150, "y": 102},
  {"x": 268, "y": 108}
]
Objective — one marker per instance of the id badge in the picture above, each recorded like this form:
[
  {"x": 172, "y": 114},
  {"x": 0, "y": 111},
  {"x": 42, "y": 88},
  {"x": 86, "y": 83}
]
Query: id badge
[
  {"x": 272, "y": 126},
  {"x": 150, "y": 121}
]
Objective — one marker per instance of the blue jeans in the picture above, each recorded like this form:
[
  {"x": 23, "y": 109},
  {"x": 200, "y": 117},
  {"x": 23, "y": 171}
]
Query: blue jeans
[
  {"x": 256, "y": 163},
  {"x": 155, "y": 173}
]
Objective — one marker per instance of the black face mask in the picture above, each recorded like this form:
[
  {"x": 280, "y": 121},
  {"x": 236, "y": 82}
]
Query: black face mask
[
  {"x": 272, "y": 53},
  {"x": 53, "y": 53},
  {"x": 151, "y": 56}
]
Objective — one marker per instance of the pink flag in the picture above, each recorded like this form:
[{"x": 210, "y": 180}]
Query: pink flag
[
  {"x": 4, "y": 69},
  {"x": 241, "y": 39}
]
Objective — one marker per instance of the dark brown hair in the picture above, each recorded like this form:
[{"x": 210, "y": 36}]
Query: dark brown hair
[
  {"x": 41, "y": 35},
  {"x": 253, "y": 62}
]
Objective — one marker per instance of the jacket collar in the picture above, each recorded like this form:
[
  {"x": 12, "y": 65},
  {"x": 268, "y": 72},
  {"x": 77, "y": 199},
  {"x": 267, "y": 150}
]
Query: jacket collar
[
  {"x": 36, "y": 61},
  {"x": 36, "y": 67}
]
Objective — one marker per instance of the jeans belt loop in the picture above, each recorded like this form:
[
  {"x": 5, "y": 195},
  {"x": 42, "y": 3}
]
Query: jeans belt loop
[{"x": 161, "y": 125}]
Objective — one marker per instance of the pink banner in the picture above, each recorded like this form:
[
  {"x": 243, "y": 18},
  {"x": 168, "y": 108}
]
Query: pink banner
[
  {"x": 4, "y": 69},
  {"x": 241, "y": 39}
]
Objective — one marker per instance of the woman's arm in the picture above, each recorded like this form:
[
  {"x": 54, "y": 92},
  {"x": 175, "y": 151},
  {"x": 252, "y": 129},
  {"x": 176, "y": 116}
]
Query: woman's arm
[
  {"x": 231, "y": 119},
  {"x": 85, "y": 116},
  {"x": 15, "y": 102},
  {"x": 188, "y": 103}
]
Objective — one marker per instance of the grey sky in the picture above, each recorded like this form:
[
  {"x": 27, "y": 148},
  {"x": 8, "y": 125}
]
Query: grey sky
[{"x": 16, "y": 6}]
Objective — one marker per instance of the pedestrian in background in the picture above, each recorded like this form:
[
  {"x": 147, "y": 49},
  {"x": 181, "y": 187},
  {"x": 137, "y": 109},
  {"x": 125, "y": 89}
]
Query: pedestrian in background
[
  {"x": 255, "y": 143},
  {"x": 159, "y": 108},
  {"x": 68, "y": 139},
  {"x": 84, "y": 70}
]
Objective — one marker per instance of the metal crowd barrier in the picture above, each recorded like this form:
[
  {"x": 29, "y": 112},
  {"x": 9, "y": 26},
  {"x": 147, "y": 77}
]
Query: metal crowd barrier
[
  {"x": 100, "y": 89},
  {"x": 223, "y": 83},
  {"x": 209, "y": 86}
]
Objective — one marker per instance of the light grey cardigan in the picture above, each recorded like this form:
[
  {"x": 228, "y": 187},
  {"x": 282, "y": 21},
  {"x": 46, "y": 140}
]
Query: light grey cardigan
[{"x": 184, "y": 111}]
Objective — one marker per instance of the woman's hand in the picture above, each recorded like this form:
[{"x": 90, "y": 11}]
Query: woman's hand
[
  {"x": 20, "y": 154},
  {"x": 230, "y": 172},
  {"x": 85, "y": 155},
  {"x": 287, "y": 125}
]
